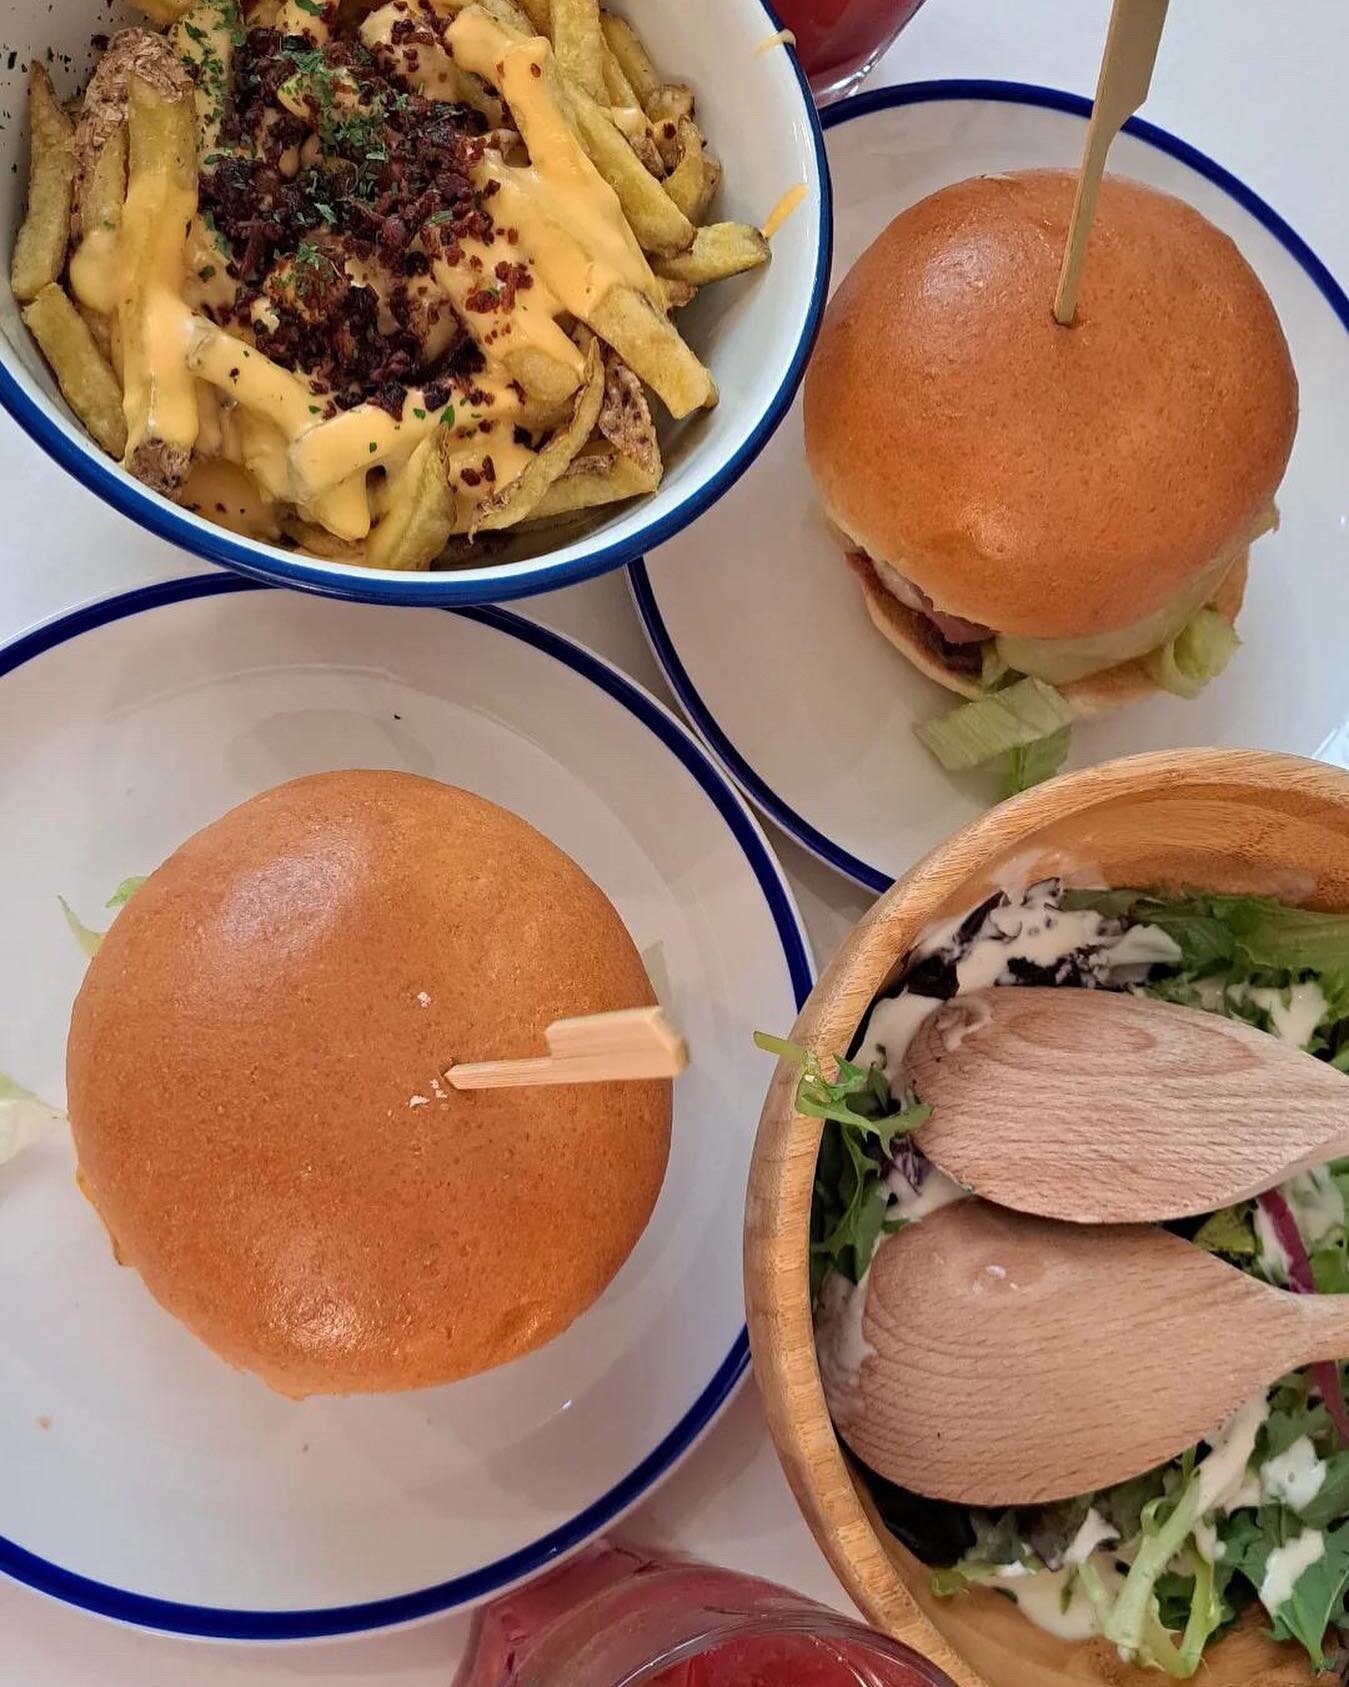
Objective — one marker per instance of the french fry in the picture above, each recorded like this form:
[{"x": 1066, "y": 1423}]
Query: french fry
[
  {"x": 98, "y": 218},
  {"x": 540, "y": 13},
  {"x": 618, "y": 91},
  {"x": 593, "y": 479},
  {"x": 545, "y": 378},
  {"x": 419, "y": 515},
  {"x": 651, "y": 347},
  {"x": 625, "y": 44},
  {"x": 625, "y": 419},
  {"x": 671, "y": 103},
  {"x": 660, "y": 226},
  {"x": 311, "y": 18},
  {"x": 163, "y": 11},
  {"x": 98, "y": 206},
  {"x": 204, "y": 38},
  {"x": 159, "y": 392},
  {"x": 101, "y": 327},
  {"x": 518, "y": 499},
  {"x": 84, "y": 375},
  {"x": 719, "y": 250},
  {"x": 508, "y": 15},
  {"x": 676, "y": 294},
  {"x": 711, "y": 182},
  {"x": 40, "y": 250},
  {"x": 317, "y": 541},
  {"x": 544, "y": 362},
  {"x": 686, "y": 184},
  {"x": 578, "y": 43}
]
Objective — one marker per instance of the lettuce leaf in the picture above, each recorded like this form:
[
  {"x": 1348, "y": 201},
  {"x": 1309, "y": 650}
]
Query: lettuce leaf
[
  {"x": 1229, "y": 1232},
  {"x": 1032, "y": 764},
  {"x": 1242, "y": 934},
  {"x": 89, "y": 940},
  {"x": 1008, "y": 719},
  {"x": 1199, "y": 652},
  {"x": 23, "y": 1118}
]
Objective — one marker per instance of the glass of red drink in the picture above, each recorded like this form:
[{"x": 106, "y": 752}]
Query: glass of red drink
[
  {"x": 838, "y": 41},
  {"x": 617, "y": 1616}
]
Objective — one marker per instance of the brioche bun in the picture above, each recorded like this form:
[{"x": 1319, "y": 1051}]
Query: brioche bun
[
  {"x": 254, "y": 1087},
  {"x": 1043, "y": 481}
]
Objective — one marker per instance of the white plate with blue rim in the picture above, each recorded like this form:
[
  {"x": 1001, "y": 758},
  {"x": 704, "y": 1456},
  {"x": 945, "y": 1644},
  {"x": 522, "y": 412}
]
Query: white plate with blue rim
[
  {"x": 762, "y": 633},
  {"x": 144, "y": 1479}
]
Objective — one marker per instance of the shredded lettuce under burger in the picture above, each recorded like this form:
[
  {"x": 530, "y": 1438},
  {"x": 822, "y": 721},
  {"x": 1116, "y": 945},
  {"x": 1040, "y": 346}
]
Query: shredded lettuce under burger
[
  {"x": 1163, "y": 1564},
  {"x": 1024, "y": 721}
]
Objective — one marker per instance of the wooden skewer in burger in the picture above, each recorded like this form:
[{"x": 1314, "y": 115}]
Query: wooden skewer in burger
[{"x": 257, "y": 1086}]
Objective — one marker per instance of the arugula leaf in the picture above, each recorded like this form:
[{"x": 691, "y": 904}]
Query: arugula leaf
[
  {"x": 851, "y": 1194},
  {"x": 859, "y": 1097},
  {"x": 1331, "y": 1503},
  {"x": 1317, "y": 1597}
]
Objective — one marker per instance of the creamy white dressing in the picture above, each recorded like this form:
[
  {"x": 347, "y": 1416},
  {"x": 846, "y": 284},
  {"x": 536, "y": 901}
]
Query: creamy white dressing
[
  {"x": 892, "y": 1026},
  {"x": 841, "y": 1346},
  {"x": 1273, "y": 1259},
  {"x": 1286, "y": 1566},
  {"x": 1054, "y": 1600},
  {"x": 1094, "y": 1533},
  {"x": 911, "y": 1204},
  {"x": 1224, "y": 1469},
  {"x": 1295, "y": 1477},
  {"x": 1316, "y": 1202},
  {"x": 1294, "y": 1012},
  {"x": 1206, "y": 1541}
]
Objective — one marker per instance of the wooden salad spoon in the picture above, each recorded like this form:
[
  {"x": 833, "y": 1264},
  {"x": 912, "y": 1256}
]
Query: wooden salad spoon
[
  {"x": 1102, "y": 1107},
  {"x": 1010, "y": 1360}
]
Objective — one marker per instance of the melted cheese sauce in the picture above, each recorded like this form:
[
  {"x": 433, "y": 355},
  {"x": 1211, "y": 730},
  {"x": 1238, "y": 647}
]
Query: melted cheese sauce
[{"x": 794, "y": 197}]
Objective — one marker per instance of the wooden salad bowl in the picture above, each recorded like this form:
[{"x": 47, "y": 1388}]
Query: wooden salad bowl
[{"x": 1210, "y": 819}]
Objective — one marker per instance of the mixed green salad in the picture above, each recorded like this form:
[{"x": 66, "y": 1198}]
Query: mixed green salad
[{"x": 1164, "y": 1564}]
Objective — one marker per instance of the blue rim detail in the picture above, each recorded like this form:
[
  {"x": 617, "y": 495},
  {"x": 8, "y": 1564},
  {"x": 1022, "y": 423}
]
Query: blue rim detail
[
  {"x": 863, "y": 105},
  {"x": 465, "y": 586},
  {"x": 218, "y": 1623}
]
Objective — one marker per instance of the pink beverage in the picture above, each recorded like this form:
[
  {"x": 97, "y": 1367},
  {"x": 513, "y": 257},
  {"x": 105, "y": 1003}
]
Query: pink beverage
[
  {"x": 617, "y": 1616},
  {"x": 838, "y": 41}
]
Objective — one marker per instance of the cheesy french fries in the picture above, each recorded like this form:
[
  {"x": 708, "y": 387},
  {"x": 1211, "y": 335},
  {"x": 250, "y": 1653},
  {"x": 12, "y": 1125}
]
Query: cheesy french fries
[{"x": 376, "y": 278}]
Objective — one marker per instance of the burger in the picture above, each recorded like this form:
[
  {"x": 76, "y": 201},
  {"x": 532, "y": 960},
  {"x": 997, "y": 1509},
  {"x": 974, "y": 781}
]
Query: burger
[
  {"x": 255, "y": 1082},
  {"x": 1050, "y": 521}
]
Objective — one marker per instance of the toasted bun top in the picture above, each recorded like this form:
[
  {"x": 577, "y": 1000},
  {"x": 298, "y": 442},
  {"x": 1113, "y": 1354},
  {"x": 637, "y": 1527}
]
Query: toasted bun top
[
  {"x": 253, "y": 1075},
  {"x": 1047, "y": 481}
]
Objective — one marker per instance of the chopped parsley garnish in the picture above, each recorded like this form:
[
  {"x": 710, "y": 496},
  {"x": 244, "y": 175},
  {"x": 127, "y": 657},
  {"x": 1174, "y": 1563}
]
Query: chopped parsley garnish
[{"x": 447, "y": 416}]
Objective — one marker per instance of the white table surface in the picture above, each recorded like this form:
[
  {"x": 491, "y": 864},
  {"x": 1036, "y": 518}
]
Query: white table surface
[{"x": 1258, "y": 87}]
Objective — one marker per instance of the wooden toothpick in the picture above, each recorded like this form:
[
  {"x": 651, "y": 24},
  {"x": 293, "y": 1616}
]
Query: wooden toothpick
[
  {"x": 601, "y": 1048},
  {"x": 1126, "y": 73}
]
